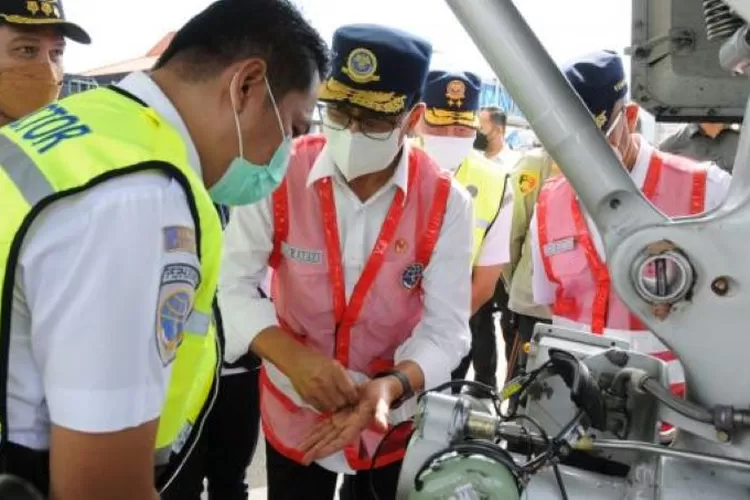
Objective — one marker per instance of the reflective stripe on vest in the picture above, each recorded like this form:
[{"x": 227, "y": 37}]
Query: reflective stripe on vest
[
  {"x": 486, "y": 184},
  {"x": 76, "y": 144}
]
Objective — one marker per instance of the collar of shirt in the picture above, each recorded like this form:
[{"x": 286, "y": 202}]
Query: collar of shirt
[
  {"x": 507, "y": 157},
  {"x": 143, "y": 87},
  {"x": 324, "y": 167}
]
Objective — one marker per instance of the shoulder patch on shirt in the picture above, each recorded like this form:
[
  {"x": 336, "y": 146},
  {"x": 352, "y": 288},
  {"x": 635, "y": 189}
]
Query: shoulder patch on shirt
[
  {"x": 175, "y": 303},
  {"x": 179, "y": 239},
  {"x": 528, "y": 180},
  {"x": 180, "y": 272},
  {"x": 559, "y": 246}
]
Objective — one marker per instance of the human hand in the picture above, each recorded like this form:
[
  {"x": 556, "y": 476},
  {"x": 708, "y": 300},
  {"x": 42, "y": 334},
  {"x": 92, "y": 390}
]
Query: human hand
[
  {"x": 321, "y": 381},
  {"x": 345, "y": 426}
]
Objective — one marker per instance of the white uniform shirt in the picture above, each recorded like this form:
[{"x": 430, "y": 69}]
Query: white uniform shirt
[
  {"x": 84, "y": 343},
  {"x": 495, "y": 249},
  {"x": 439, "y": 341},
  {"x": 717, "y": 186},
  {"x": 506, "y": 158}
]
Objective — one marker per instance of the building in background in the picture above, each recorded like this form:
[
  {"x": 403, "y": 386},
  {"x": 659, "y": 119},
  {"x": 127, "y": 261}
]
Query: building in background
[
  {"x": 73, "y": 84},
  {"x": 112, "y": 73}
]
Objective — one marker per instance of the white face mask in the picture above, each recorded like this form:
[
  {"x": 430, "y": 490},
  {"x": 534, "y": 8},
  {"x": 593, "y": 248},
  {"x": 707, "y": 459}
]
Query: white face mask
[
  {"x": 356, "y": 155},
  {"x": 448, "y": 152}
]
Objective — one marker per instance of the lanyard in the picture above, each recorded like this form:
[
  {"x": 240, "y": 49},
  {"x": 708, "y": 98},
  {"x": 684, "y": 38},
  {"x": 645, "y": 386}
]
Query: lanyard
[{"x": 347, "y": 314}]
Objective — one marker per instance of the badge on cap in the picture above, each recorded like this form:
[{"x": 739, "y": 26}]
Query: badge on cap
[
  {"x": 361, "y": 66},
  {"x": 47, "y": 7},
  {"x": 412, "y": 275},
  {"x": 456, "y": 93}
]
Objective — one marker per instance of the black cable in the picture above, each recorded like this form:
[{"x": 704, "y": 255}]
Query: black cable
[
  {"x": 555, "y": 466},
  {"x": 560, "y": 484},
  {"x": 378, "y": 449},
  {"x": 528, "y": 379}
]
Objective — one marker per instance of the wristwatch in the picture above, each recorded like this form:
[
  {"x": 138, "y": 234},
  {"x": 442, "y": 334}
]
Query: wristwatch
[{"x": 406, "y": 389}]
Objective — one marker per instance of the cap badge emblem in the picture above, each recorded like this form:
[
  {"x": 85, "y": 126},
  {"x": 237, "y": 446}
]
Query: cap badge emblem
[
  {"x": 456, "y": 93},
  {"x": 361, "y": 66}
]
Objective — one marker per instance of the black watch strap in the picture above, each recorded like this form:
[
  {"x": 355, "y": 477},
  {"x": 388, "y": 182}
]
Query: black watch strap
[{"x": 406, "y": 389}]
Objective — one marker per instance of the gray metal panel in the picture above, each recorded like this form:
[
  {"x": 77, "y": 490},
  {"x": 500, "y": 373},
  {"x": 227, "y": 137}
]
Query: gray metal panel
[{"x": 675, "y": 72}]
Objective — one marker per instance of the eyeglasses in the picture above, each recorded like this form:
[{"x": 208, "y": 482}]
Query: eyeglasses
[{"x": 379, "y": 129}]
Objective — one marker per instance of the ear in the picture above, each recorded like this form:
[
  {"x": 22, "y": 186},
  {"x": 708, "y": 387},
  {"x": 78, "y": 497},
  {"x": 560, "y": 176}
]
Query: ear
[
  {"x": 415, "y": 117},
  {"x": 247, "y": 81},
  {"x": 631, "y": 115}
]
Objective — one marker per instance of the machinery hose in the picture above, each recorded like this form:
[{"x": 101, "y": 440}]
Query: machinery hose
[{"x": 681, "y": 406}]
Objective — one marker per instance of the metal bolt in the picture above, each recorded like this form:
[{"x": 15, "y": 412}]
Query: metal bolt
[
  {"x": 720, "y": 286},
  {"x": 614, "y": 203}
]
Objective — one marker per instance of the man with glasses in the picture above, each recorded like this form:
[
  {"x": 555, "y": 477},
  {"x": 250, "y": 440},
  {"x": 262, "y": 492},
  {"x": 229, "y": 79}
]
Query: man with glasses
[
  {"x": 568, "y": 257},
  {"x": 370, "y": 244}
]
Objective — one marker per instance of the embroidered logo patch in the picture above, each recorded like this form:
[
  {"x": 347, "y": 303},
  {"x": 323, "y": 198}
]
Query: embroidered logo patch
[
  {"x": 175, "y": 303},
  {"x": 173, "y": 313},
  {"x": 559, "y": 246},
  {"x": 362, "y": 66},
  {"x": 179, "y": 239},
  {"x": 303, "y": 255},
  {"x": 528, "y": 180},
  {"x": 455, "y": 93},
  {"x": 412, "y": 275}
]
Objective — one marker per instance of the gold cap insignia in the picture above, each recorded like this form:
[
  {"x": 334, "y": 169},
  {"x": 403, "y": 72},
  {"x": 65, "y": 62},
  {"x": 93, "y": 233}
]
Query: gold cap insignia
[
  {"x": 48, "y": 8},
  {"x": 601, "y": 119},
  {"x": 456, "y": 93},
  {"x": 361, "y": 66}
]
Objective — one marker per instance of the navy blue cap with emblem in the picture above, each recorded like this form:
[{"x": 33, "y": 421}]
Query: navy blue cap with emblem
[
  {"x": 41, "y": 13},
  {"x": 599, "y": 79},
  {"x": 376, "y": 68},
  {"x": 452, "y": 98}
]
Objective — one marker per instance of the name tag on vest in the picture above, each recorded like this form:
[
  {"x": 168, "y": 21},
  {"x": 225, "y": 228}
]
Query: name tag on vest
[
  {"x": 559, "y": 246},
  {"x": 301, "y": 254}
]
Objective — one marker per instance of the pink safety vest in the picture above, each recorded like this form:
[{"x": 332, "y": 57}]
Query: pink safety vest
[
  {"x": 677, "y": 187},
  {"x": 310, "y": 298}
]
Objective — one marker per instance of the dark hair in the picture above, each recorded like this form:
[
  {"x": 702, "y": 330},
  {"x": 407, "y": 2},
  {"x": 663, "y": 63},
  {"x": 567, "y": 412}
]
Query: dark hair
[
  {"x": 497, "y": 115},
  {"x": 231, "y": 30}
]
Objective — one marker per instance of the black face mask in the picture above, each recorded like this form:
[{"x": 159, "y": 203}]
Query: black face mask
[{"x": 481, "y": 141}]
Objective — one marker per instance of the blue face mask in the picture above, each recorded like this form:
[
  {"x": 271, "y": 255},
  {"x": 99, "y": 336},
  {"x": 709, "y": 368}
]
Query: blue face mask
[{"x": 245, "y": 182}]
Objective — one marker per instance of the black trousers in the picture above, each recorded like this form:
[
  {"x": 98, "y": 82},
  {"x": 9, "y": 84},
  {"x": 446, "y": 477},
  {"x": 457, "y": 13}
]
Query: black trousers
[
  {"x": 483, "y": 352},
  {"x": 226, "y": 446},
  {"x": 523, "y": 329},
  {"x": 288, "y": 480}
]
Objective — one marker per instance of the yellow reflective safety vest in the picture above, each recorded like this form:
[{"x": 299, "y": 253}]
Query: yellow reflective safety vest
[
  {"x": 73, "y": 145},
  {"x": 486, "y": 184}
]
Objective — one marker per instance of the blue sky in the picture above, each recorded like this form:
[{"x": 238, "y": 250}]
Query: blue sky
[{"x": 123, "y": 30}]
